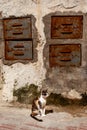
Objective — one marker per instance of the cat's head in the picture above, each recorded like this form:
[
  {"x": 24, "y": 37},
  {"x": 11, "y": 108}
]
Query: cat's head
[{"x": 44, "y": 93}]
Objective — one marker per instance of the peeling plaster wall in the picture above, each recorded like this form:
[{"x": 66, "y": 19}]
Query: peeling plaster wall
[
  {"x": 19, "y": 74},
  {"x": 65, "y": 79}
]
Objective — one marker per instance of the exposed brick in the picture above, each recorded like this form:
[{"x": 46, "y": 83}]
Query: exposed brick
[
  {"x": 71, "y": 128},
  {"x": 53, "y": 128},
  {"x": 25, "y": 128},
  {"x": 8, "y": 126},
  {"x": 82, "y": 127},
  {"x": 35, "y": 125}
]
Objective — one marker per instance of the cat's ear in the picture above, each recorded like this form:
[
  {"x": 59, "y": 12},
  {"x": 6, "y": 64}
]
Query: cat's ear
[
  {"x": 44, "y": 90},
  {"x": 47, "y": 89}
]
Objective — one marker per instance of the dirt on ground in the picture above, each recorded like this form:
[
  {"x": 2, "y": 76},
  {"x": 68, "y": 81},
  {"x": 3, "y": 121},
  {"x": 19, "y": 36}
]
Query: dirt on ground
[{"x": 74, "y": 110}]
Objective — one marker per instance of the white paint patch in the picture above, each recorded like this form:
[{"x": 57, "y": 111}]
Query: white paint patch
[
  {"x": 18, "y": 75},
  {"x": 72, "y": 94}
]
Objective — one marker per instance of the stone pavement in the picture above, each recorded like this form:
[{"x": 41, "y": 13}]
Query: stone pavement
[{"x": 12, "y": 118}]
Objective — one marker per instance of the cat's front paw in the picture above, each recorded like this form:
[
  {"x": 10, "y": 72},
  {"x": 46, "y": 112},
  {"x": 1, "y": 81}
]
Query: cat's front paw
[
  {"x": 38, "y": 115},
  {"x": 43, "y": 115}
]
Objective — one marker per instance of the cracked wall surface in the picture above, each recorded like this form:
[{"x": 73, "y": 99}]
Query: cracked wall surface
[
  {"x": 19, "y": 74},
  {"x": 64, "y": 79}
]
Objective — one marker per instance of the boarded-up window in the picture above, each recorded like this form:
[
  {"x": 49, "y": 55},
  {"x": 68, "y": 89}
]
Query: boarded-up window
[
  {"x": 66, "y": 27},
  {"x": 65, "y": 55},
  {"x": 18, "y": 38}
]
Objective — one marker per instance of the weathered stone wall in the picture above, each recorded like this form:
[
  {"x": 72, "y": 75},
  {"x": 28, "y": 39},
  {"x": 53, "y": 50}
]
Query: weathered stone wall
[
  {"x": 17, "y": 75},
  {"x": 64, "y": 79}
]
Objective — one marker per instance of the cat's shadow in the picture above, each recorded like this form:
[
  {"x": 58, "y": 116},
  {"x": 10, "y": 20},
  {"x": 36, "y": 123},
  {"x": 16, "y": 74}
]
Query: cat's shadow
[{"x": 48, "y": 111}]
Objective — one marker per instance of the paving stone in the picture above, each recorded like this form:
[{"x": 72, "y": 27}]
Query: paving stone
[{"x": 12, "y": 118}]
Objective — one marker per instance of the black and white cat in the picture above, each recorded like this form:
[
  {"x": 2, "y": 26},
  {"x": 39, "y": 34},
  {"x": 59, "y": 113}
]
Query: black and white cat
[{"x": 39, "y": 105}]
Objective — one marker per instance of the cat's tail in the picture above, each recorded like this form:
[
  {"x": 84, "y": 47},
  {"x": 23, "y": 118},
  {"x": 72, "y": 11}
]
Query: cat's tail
[{"x": 36, "y": 118}]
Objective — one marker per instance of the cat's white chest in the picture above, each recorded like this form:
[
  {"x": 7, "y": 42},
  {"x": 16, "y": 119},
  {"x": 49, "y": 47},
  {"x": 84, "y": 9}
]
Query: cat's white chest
[{"x": 43, "y": 101}]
